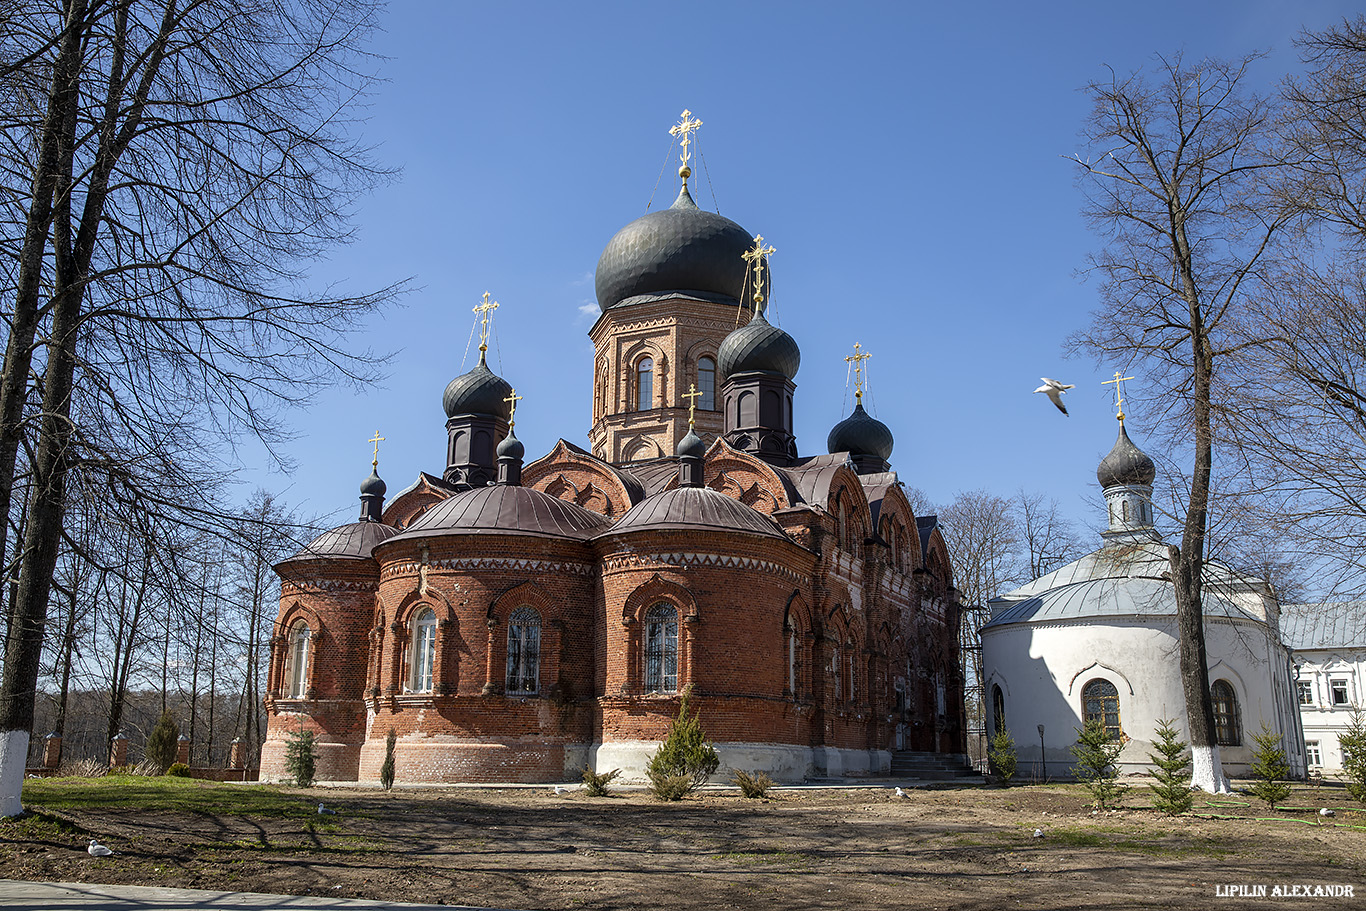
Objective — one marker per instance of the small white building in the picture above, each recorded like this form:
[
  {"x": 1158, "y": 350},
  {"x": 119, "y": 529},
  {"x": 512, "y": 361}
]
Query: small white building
[
  {"x": 1328, "y": 644},
  {"x": 1097, "y": 639}
]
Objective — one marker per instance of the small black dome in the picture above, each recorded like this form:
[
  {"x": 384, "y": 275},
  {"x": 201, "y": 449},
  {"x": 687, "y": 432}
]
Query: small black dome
[
  {"x": 691, "y": 446},
  {"x": 758, "y": 345},
  {"x": 1126, "y": 465},
  {"x": 861, "y": 434},
  {"x": 681, "y": 248},
  {"x": 511, "y": 447},
  {"x": 480, "y": 391},
  {"x": 374, "y": 485}
]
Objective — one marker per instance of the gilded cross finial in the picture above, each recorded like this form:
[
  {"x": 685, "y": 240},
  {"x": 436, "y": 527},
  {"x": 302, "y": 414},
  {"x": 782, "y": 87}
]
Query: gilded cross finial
[
  {"x": 757, "y": 256},
  {"x": 376, "y": 439},
  {"x": 692, "y": 395},
  {"x": 683, "y": 128},
  {"x": 857, "y": 359},
  {"x": 1118, "y": 383},
  {"x": 512, "y": 400},
  {"x": 484, "y": 310}
]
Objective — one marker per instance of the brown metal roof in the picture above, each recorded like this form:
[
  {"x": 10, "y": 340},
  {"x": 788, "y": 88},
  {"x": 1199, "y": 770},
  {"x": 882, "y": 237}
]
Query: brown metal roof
[
  {"x": 353, "y": 541},
  {"x": 507, "y": 509},
  {"x": 696, "y": 507}
]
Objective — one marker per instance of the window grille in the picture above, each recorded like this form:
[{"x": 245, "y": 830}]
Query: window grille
[
  {"x": 1100, "y": 701},
  {"x": 423, "y": 652},
  {"x": 661, "y": 649},
  {"x": 1227, "y": 730},
  {"x": 524, "y": 653}
]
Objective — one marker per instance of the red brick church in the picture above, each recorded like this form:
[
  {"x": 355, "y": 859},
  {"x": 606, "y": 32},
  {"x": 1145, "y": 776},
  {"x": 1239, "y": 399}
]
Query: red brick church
[{"x": 516, "y": 622}]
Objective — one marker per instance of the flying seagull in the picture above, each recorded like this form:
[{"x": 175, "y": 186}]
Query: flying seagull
[
  {"x": 1054, "y": 390},
  {"x": 98, "y": 850}
]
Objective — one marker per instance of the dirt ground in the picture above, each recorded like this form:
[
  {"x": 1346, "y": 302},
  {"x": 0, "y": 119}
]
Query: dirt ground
[{"x": 964, "y": 847}]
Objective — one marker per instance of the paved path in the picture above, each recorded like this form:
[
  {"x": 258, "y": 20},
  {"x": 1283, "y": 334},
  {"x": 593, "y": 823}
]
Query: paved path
[{"x": 82, "y": 897}]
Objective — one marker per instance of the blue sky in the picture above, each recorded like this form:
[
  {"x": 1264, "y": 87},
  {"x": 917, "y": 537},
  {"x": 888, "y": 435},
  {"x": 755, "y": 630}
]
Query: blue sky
[{"x": 907, "y": 160}]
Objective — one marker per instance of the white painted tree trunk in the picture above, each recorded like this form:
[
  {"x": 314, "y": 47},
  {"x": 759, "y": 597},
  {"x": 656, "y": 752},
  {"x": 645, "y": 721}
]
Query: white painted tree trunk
[
  {"x": 1207, "y": 772},
  {"x": 13, "y": 760}
]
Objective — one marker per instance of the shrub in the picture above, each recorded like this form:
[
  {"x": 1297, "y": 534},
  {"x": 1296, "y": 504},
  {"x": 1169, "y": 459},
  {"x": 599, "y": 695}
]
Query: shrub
[
  {"x": 386, "y": 771},
  {"x": 1001, "y": 755},
  {"x": 596, "y": 783},
  {"x": 83, "y": 768},
  {"x": 755, "y": 784},
  {"x": 1269, "y": 767},
  {"x": 1353, "y": 744},
  {"x": 1096, "y": 755},
  {"x": 162, "y": 743},
  {"x": 178, "y": 770},
  {"x": 146, "y": 768},
  {"x": 301, "y": 757},
  {"x": 685, "y": 759},
  {"x": 1172, "y": 769}
]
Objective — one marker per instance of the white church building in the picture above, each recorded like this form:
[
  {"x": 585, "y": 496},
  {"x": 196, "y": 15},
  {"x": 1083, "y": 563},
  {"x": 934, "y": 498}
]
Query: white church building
[
  {"x": 1097, "y": 639},
  {"x": 1328, "y": 642}
]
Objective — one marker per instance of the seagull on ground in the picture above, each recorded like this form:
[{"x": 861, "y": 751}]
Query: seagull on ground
[
  {"x": 324, "y": 811},
  {"x": 1038, "y": 833},
  {"x": 1327, "y": 812},
  {"x": 900, "y": 793},
  {"x": 1054, "y": 390},
  {"x": 561, "y": 790},
  {"x": 98, "y": 850}
]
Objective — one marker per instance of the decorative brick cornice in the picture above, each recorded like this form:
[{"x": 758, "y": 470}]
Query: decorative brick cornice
[
  {"x": 489, "y": 564},
  {"x": 632, "y": 561},
  {"x": 315, "y": 586}
]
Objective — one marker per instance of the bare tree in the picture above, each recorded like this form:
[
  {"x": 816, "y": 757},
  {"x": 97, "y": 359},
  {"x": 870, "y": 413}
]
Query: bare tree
[
  {"x": 170, "y": 163},
  {"x": 1047, "y": 538},
  {"x": 1176, "y": 172}
]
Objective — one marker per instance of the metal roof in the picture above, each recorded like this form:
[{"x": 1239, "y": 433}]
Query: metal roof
[
  {"x": 1339, "y": 624},
  {"x": 507, "y": 509},
  {"x": 354, "y": 541},
  {"x": 696, "y": 507}
]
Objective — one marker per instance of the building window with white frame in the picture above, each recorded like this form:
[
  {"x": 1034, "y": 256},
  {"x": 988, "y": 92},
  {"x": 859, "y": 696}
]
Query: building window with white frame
[
  {"x": 1305, "y": 690},
  {"x": 661, "y": 649},
  {"x": 706, "y": 383},
  {"x": 296, "y": 661},
  {"x": 524, "y": 653},
  {"x": 1337, "y": 692},
  {"x": 645, "y": 384},
  {"x": 422, "y": 652},
  {"x": 1312, "y": 753}
]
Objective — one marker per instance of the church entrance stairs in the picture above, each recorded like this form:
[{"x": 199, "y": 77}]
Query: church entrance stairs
[{"x": 931, "y": 766}]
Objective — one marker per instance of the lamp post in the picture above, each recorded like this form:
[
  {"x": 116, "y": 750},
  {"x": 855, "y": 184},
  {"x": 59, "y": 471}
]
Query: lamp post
[{"x": 1043, "y": 757}]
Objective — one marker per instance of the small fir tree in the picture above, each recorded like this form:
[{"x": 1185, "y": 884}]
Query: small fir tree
[
  {"x": 1097, "y": 754},
  {"x": 598, "y": 784},
  {"x": 386, "y": 771},
  {"x": 1353, "y": 744},
  {"x": 1002, "y": 756},
  {"x": 1172, "y": 769},
  {"x": 685, "y": 759},
  {"x": 301, "y": 757},
  {"x": 1269, "y": 767},
  {"x": 163, "y": 743}
]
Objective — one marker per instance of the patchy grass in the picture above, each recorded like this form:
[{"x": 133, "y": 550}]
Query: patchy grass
[{"x": 171, "y": 795}]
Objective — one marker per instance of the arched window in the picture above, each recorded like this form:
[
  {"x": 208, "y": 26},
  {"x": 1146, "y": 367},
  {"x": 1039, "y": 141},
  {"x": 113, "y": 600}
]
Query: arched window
[
  {"x": 645, "y": 384},
  {"x": 661, "y": 649},
  {"x": 296, "y": 661},
  {"x": 706, "y": 383},
  {"x": 843, "y": 522},
  {"x": 422, "y": 652},
  {"x": 835, "y": 669},
  {"x": 1227, "y": 729},
  {"x": 524, "y": 653},
  {"x": 853, "y": 675},
  {"x": 1124, "y": 510},
  {"x": 998, "y": 710},
  {"x": 792, "y": 661},
  {"x": 1100, "y": 704}
]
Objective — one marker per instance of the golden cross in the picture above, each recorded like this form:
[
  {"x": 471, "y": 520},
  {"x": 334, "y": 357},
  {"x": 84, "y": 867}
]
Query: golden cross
[
  {"x": 376, "y": 439},
  {"x": 756, "y": 257},
  {"x": 858, "y": 357},
  {"x": 513, "y": 400},
  {"x": 683, "y": 128},
  {"x": 485, "y": 309},
  {"x": 1118, "y": 383},
  {"x": 692, "y": 395}
]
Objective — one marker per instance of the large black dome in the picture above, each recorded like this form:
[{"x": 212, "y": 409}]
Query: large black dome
[
  {"x": 681, "y": 248},
  {"x": 758, "y": 345},
  {"x": 1126, "y": 464},
  {"x": 861, "y": 434},
  {"x": 480, "y": 391}
]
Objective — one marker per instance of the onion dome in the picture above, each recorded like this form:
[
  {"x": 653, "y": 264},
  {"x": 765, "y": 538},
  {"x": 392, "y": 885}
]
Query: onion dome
[
  {"x": 861, "y": 434},
  {"x": 480, "y": 391},
  {"x": 1126, "y": 465},
  {"x": 511, "y": 447},
  {"x": 691, "y": 446},
  {"x": 758, "y": 345},
  {"x": 509, "y": 510},
  {"x": 681, "y": 248},
  {"x": 374, "y": 485},
  {"x": 692, "y": 508}
]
